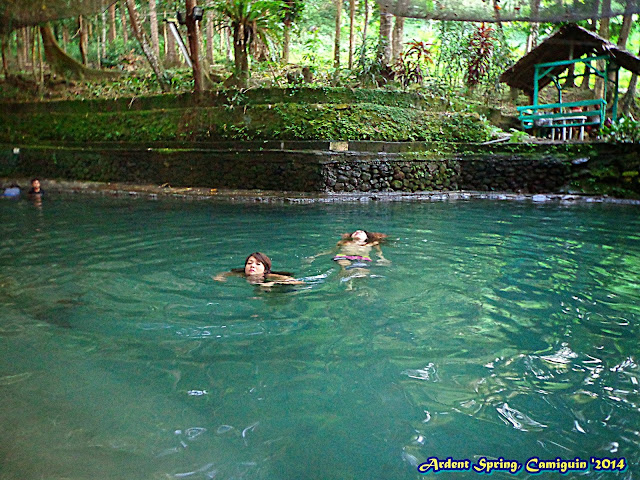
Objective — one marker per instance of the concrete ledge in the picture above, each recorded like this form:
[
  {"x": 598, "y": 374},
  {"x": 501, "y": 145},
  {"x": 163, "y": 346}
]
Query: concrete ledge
[{"x": 128, "y": 190}]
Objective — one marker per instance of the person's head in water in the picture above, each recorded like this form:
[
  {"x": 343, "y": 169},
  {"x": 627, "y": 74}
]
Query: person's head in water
[
  {"x": 360, "y": 236},
  {"x": 257, "y": 264},
  {"x": 363, "y": 237},
  {"x": 35, "y": 185}
]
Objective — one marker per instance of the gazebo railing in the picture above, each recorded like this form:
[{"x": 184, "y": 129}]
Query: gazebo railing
[{"x": 567, "y": 114}]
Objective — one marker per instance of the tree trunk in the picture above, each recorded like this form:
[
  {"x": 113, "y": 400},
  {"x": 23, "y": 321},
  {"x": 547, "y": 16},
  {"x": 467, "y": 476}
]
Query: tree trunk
[
  {"x": 82, "y": 30},
  {"x": 99, "y": 48},
  {"x": 194, "y": 48},
  {"x": 112, "y": 23},
  {"x": 226, "y": 40},
  {"x": 363, "y": 52},
  {"x": 33, "y": 58},
  {"x": 286, "y": 41},
  {"x": 203, "y": 56},
  {"x": 384, "y": 44},
  {"x": 5, "y": 63},
  {"x": 397, "y": 38},
  {"x": 24, "y": 49},
  {"x": 603, "y": 31},
  {"x": 123, "y": 19},
  {"x": 532, "y": 39},
  {"x": 210, "y": 32},
  {"x": 336, "y": 45},
  {"x": 36, "y": 42},
  {"x": 65, "y": 37},
  {"x": 19, "y": 57},
  {"x": 240, "y": 54},
  {"x": 27, "y": 47},
  {"x": 62, "y": 64},
  {"x": 171, "y": 54},
  {"x": 627, "y": 22},
  {"x": 586, "y": 80},
  {"x": 144, "y": 43},
  {"x": 352, "y": 30},
  {"x": 628, "y": 103},
  {"x": 570, "y": 81},
  {"x": 153, "y": 28}
]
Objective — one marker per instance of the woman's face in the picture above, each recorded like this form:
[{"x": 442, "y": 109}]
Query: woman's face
[
  {"x": 359, "y": 236},
  {"x": 253, "y": 267}
]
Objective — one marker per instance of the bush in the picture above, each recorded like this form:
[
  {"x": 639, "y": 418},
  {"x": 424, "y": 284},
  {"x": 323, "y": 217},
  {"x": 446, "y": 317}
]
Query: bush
[{"x": 625, "y": 130}]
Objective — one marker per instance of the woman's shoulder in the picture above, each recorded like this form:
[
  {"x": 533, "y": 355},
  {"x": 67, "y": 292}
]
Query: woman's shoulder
[{"x": 278, "y": 276}]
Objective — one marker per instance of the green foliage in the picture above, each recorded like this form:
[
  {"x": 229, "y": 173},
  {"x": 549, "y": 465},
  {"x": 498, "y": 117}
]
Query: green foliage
[
  {"x": 370, "y": 70},
  {"x": 452, "y": 50},
  {"x": 291, "y": 11},
  {"x": 118, "y": 53},
  {"x": 364, "y": 115},
  {"x": 312, "y": 46},
  {"x": 518, "y": 136},
  {"x": 625, "y": 130},
  {"x": 411, "y": 66},
  {"x": 250, "y": 20}
]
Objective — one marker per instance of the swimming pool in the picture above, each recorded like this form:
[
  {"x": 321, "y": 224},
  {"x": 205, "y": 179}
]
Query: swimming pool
[{"x": 500, "y": 330}]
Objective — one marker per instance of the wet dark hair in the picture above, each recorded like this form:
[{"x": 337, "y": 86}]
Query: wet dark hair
[
  {"x": 263, "y": 259},
  {"x": 371, "y": 237},
  {"x": 34, "y": 179},
  {"x": 266, "y": 261}
]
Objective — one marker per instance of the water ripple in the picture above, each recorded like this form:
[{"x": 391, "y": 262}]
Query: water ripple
[{"x": 518, "y": 420}]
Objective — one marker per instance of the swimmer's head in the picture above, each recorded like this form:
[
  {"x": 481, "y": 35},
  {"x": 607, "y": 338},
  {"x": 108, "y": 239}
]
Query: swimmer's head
[
  {"x": 363, "y": 236},
  {"x": 257, "y": 264},
  {"x": 360, "y": 236}
]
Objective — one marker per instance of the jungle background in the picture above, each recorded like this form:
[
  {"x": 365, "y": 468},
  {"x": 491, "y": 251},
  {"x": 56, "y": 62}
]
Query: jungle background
[{"x": 127, "y": 50}]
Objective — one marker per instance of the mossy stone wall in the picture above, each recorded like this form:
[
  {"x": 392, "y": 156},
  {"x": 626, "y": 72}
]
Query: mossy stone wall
[
  {"x": 596, "y": 169},
  {"x": 267, "y": 170}
]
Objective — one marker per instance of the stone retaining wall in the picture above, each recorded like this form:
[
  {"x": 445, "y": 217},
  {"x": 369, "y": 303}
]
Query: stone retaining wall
[
  {"x": 507, "y": 173},
  {"x": 609, "y": 170}
]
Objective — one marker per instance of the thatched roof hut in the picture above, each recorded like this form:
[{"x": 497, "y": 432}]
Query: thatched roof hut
[{"x": 570, "y": 42}]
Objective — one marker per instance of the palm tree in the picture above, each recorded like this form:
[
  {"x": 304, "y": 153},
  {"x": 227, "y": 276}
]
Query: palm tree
[
  {"x": 289, "y": 15},
  {"x": 249, "y": 19}
]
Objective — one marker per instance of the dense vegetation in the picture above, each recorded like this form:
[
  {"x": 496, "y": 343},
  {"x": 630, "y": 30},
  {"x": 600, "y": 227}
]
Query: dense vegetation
[{"x": 272, "y": 43}]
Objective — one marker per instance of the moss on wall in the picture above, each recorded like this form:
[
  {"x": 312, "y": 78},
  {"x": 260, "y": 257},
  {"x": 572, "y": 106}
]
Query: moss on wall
[
  {"x": 607, "y": 170},
  {"x": 268, "y": 122}
]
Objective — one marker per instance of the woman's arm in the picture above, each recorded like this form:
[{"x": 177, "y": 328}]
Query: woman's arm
[
  {"x": 381, "y": 260},
  {"x": 311, "y": 258},
  {"x": 222, "y": 277}
]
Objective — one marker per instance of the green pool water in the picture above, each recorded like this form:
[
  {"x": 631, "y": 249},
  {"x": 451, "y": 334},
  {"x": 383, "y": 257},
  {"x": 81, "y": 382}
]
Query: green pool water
[{"x": 499, "y": 330}]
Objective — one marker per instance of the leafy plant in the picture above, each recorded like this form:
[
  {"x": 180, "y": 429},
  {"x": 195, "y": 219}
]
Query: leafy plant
[
  {"x": 370, "y": 69},
  {"x": 452, "y": 51},
  {"x": 410, "y": 67},
  {"x": 625, "y": 130},
  {"x": 481, "y": 46},
  {"x": 250, "y": 20},
  {"x": 312, "y": 46}
]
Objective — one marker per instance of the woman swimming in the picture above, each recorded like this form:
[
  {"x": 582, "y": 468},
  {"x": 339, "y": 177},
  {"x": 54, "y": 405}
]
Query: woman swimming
[
  {"x": 354, "y": 249},
  {"x": 257, "y": 270},
  {"x": 357, "y": 246}
]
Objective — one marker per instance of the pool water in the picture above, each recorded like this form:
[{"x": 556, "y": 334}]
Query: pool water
[{"x": 499, "y": 330}]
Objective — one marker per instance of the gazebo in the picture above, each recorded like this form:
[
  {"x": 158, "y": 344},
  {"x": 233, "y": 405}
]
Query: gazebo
[{"x": 571, "y": 45}]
